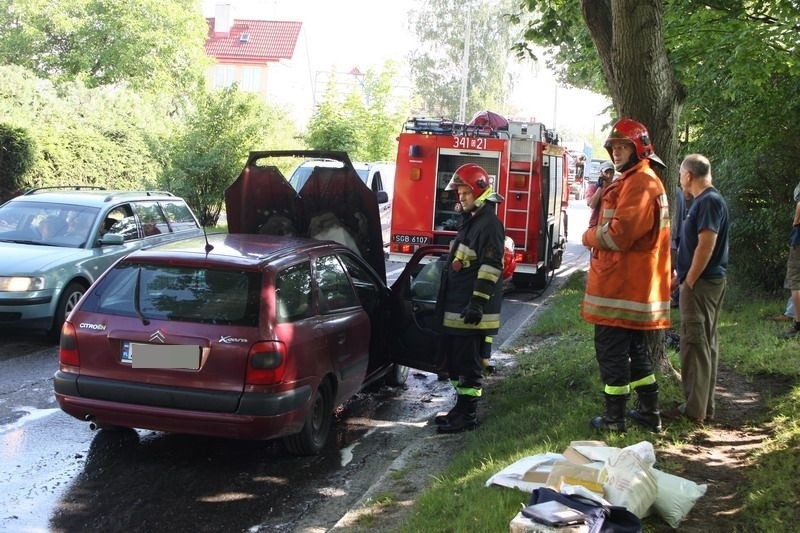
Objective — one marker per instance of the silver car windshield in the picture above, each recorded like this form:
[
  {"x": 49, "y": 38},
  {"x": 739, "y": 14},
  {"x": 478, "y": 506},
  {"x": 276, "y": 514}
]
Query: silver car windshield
[{"x": 47, "y": 224}]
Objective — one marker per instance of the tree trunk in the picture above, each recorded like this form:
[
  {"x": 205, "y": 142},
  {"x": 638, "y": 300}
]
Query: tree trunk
[{"x": 629, "y": 39}]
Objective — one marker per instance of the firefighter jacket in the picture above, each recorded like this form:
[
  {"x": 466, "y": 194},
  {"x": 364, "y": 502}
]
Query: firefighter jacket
[
  {"x": 474, "y": 274},
  {"x": 629, "y": 270}
]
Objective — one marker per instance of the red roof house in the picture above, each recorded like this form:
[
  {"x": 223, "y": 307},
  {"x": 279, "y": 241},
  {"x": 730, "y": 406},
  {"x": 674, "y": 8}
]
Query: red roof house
[{"x": 244, "y": 49}]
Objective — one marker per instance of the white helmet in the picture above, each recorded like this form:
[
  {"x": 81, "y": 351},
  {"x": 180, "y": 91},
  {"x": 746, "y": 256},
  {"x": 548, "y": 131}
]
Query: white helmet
[{"x": 607, "y": 165}]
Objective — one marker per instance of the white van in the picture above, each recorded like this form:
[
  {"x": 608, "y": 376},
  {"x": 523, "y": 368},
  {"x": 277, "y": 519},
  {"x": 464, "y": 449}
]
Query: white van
[{"x": 378, "y": 176}]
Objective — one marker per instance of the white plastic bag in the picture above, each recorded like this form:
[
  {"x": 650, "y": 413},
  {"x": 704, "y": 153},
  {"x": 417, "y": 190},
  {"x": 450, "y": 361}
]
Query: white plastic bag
[
  {"x": 629, "y": 482},
  {"x": 676, "y": 497}
]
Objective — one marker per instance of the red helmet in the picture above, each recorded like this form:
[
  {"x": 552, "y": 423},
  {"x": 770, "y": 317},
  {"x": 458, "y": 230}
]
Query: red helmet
[
  {"x": 471, "y": 175},
  {"x": 629, "y": 130}
]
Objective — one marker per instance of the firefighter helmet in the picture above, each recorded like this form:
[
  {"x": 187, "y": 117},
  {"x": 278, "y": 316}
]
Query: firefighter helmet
[
  {"x": 474, "y": 177},
  {"x": 471, "y": 175},
  {"x": 627, "y": 129},
  {"x": 608, "y": 165}
]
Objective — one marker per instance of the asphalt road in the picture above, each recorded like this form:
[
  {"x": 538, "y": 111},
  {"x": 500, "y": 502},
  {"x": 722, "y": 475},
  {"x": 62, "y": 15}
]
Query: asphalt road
[{"x": 57, "y": 475}]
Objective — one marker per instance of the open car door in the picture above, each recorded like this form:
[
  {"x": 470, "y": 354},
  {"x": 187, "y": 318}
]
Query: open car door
[{"x": 416, "y": 325}]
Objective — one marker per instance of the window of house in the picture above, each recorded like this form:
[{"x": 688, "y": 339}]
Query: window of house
[
  {"x": 224, "y": 76},
  {"x": 251, "y": 79}
]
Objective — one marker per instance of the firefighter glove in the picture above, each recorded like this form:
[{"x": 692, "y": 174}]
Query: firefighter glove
[{"x": 473, "y": 313}]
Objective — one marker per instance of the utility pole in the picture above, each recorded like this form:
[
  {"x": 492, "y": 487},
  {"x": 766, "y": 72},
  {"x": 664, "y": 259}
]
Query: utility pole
[{"x": 462, "y": 106}]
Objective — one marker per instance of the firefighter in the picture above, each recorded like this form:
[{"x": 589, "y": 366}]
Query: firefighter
[
  {"x": 471, "y": 293},
  {"x": 628, "y": 289}
]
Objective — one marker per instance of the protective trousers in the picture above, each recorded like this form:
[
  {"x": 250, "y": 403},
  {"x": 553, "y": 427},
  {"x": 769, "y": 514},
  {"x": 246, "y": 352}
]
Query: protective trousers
[
  {"x": 464, "y": 362},
  {"x": 623, "y": 359},
  {"x": 700, "y": 308}
]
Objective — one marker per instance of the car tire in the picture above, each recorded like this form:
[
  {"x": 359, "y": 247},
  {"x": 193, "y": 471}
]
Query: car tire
[
  {"x": 312, "y": 438},
  {"x": 397, "y": 375},
  {"x": 68, "y": 299}
]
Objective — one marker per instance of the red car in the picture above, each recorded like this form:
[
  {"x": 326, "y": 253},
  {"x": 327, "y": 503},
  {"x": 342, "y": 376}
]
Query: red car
[{"x": 250, "y": 334}]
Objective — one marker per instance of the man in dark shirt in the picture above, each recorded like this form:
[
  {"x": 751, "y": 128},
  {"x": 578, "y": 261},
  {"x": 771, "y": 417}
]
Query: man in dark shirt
[{"x": 702, "y": 264}]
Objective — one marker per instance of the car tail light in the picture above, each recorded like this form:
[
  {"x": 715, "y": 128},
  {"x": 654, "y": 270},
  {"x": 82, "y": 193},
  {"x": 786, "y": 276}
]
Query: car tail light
[
  {"x": 68, "y": 348},
  {"x": 266, "y": 363}
]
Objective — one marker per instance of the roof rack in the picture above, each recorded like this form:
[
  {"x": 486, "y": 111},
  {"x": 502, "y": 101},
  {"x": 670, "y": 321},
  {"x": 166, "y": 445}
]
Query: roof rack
[
  {"x": 445, "y": 126},
  {"x": 64, "y": 188}
]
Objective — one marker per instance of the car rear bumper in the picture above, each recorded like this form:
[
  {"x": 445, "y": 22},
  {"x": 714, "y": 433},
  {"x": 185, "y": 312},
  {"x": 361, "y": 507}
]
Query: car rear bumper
[{"x": 255, "y": 416}]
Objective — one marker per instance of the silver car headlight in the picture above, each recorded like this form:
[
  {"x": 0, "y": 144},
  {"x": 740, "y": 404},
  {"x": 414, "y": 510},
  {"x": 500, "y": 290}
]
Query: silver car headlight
[{"x": 21, "y": 283}]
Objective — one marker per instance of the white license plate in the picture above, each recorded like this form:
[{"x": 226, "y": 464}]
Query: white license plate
[{"x": 181, "y": 356}]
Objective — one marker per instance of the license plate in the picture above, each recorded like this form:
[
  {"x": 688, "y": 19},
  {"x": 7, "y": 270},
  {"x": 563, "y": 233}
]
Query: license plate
[
  {"x": 411, "y": 239},
  {"x": 179, "y": 356}
]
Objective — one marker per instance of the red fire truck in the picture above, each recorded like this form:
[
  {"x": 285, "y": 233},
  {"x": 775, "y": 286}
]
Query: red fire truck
[{"x": 527, "y": 167}]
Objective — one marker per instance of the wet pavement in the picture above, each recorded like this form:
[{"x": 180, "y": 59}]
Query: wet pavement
[{"x": 57, "y": 475}]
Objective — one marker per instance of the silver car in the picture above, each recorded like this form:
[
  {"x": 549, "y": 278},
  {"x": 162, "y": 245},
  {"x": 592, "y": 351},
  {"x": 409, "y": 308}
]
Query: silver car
[{"x": 55, "y": 243}]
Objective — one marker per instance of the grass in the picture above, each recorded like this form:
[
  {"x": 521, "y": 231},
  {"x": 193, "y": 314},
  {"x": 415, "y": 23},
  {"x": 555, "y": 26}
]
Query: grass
[{"x": 554, "y": 389}]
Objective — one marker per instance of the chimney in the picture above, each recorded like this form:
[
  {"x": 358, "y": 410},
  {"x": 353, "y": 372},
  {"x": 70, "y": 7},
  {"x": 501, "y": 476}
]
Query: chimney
[{"x": 223, "y": 19}]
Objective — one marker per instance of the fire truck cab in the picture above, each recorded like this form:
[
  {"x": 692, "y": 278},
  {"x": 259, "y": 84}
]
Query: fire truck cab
[{"x": 527, "y": 168}]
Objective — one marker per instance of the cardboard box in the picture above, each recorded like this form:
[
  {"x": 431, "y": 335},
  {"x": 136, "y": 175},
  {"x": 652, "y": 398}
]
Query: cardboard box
[
  {"x": 538, "y": 474},
  {"x": 573, "y": 474},
  {"x": 574, "y": 456}
]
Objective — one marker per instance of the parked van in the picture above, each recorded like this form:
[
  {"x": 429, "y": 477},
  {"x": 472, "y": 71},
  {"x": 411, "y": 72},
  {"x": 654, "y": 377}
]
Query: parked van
[{"x": 378, "y": 176}]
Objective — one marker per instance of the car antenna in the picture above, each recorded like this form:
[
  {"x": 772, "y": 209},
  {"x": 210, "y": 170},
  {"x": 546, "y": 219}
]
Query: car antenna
[{"x": 209, "y": 246}]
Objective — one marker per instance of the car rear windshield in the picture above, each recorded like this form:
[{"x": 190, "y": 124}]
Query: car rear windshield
[{"x": 185, "y": 294}]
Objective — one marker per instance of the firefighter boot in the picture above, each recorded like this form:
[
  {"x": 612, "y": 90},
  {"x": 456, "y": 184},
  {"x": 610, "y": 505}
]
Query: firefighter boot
[
  {"x": 465, "y": 419},
  {"x": 646, "y": 412},
  {"x": 444, "y": 419},
  {"x": 614, "y": 418}
]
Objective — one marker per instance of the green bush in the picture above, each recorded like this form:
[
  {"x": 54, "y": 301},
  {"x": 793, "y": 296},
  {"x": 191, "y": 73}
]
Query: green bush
[{"x": 17, "y": 154}]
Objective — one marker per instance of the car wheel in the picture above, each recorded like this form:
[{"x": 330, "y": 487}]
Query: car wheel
[
  {"x": 314, "y": 434},
  {"x": 68, "y": 300},
  {"x": 397, "y": 375}
]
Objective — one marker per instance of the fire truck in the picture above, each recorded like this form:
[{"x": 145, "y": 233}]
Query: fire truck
[{"x": 527, "y": 167}]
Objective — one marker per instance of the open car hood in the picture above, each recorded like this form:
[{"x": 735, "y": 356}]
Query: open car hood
[{"x": 334, "y": 204}]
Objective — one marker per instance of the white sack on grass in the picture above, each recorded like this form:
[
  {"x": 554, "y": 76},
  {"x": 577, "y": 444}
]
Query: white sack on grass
[
  {"x": 645, "y": 451},
  {"x": 629, "y": 482},
  {"x": 676, "y": 496}
]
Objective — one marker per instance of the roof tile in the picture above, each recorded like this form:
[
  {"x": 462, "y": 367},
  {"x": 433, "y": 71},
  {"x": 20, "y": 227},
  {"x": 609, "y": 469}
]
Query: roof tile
[{"x": 268, "y": 40}]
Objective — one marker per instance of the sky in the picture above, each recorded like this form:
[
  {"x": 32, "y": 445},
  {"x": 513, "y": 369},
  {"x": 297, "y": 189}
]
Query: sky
[{"x": 339, "y": 35}]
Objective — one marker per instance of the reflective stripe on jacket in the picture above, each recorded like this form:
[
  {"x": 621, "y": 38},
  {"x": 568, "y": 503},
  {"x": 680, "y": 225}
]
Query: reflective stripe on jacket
[
  {"x": 629, "y": 271},
  {"x": 474, "y": 273}
]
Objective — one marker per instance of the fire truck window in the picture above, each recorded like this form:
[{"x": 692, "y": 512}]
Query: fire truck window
[{"x": 448, "y": 208}]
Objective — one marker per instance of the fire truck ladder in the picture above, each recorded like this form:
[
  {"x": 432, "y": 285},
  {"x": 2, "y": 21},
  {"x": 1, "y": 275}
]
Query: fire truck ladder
[{"x": 519, "y": 184}]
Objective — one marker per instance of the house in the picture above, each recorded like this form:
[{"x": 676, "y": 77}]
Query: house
[{"x": 249, "y": 52}]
